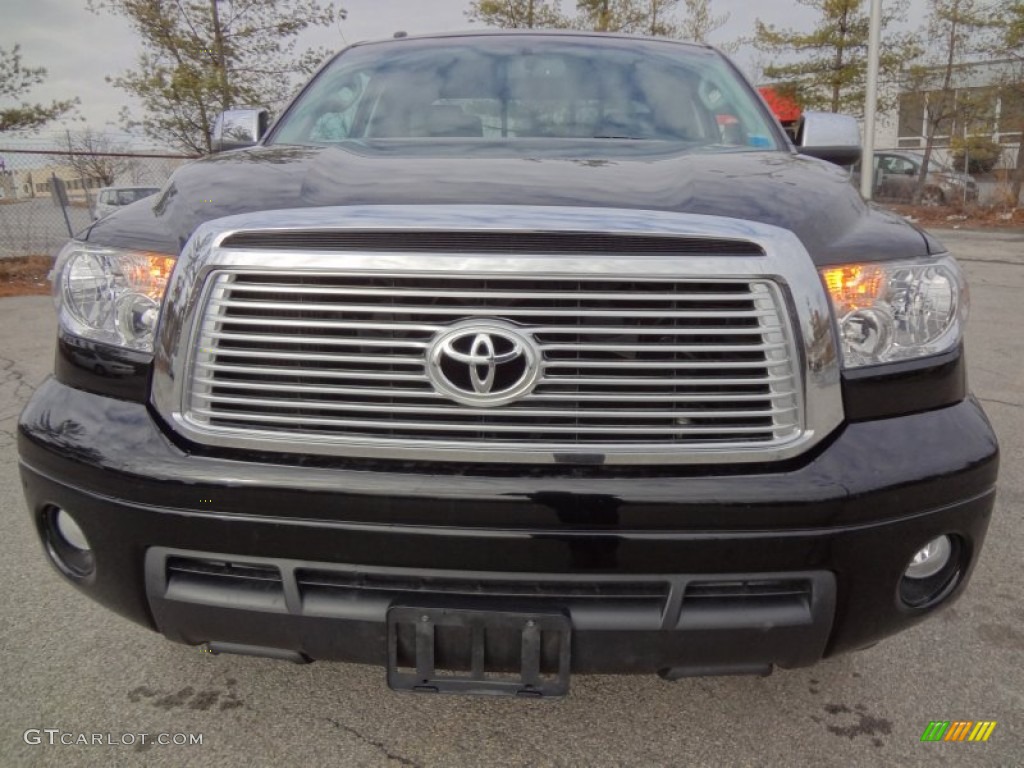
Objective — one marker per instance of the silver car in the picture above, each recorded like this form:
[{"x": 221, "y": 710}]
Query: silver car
[
  {"x": 896, "y": 175},
  {"x": 112, "y": 198}
]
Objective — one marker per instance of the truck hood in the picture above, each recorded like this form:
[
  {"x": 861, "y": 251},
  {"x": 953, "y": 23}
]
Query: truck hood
[{"x": 809, "y": 197}]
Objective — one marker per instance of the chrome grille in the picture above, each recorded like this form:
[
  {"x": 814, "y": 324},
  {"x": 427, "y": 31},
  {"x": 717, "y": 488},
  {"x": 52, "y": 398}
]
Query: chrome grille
[{"x": 628, "y": 363}]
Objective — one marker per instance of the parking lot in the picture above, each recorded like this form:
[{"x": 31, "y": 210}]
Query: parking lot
[{"x": 68, "y": 664}]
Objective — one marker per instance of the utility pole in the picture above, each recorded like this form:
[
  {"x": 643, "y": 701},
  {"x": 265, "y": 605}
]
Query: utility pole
[{"x": 867, "y": 163}]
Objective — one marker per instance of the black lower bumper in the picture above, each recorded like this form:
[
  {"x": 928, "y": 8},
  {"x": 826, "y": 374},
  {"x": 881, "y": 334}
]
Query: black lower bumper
[
  {"x": 699, "y": 573},
  {"x": 621, "y": 623}
]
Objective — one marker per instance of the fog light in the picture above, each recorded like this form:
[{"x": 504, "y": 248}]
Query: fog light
[
  {"x": 66, "y": 543},
  {"x": 932, "y": 572},
  {"x": 931, "y": 559},
  {"x": 70, "y": 531}
]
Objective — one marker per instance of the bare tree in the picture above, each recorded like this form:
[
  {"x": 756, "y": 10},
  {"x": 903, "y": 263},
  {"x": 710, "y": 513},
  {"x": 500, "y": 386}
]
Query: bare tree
[
  {"x": 637, "y": 17},
  {"x": 699, "y": 22},
  {"x": 953, "y": 34},
  {"x": 686, "y": 19},
  {"x": 94, "y": 156},
  {"x": 1009, "y": 45},
  {"x": 517, "y": 14}
]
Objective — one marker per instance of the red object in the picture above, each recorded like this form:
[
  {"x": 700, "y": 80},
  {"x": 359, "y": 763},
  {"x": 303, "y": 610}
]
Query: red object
[{"x": 784, "y": 107}]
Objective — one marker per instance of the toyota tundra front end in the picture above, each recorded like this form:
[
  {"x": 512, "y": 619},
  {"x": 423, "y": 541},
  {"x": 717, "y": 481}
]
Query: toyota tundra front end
[{"x": 504, "y": 357}]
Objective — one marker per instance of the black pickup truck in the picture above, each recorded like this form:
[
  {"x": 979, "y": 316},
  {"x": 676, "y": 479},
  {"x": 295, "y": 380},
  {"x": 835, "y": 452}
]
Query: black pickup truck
[{"x": 499, "y": 357}]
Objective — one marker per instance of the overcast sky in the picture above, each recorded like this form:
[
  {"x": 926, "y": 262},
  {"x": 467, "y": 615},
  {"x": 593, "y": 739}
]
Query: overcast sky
[{"x": 80, "y": 49}]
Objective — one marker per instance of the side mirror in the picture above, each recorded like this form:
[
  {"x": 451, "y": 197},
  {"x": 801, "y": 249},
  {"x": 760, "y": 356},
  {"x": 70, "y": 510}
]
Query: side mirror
[
  {"x": 828, "y": 136},
  {"x": 238, "y": 128}
]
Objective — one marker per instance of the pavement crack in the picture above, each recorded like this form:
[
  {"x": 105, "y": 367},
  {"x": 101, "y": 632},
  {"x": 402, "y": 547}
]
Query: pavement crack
[
  {"x": 20, "y": 392},
  {"x": 9, "y": 370},
  {"x": 379, "y": 745},
  {"x": 1000, "y": 402}
]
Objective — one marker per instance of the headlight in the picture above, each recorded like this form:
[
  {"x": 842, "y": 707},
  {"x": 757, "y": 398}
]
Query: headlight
[
  {"x": 890, "y": 311},
  {"x": 110, "y": 295}
]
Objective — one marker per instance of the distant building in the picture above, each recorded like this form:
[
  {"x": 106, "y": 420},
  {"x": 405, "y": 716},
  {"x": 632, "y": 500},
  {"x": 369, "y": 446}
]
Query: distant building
[
  {"x": 8, "y": 188},
  {"x": 983, "y": 108},
  {"x": 36, "y": 182},
  {"x": 982, "y": 105}
]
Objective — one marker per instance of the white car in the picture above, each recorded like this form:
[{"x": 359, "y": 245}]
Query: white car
[{"x": 112, "y": 198}]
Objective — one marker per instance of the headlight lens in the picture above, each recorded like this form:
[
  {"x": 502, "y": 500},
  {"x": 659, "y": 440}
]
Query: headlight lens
[
  {"x": 893, "y": 311},
  {"x": 111, "y": 295}
]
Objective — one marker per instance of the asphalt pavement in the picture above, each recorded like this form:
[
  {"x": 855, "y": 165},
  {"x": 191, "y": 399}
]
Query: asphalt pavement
[{"x": 67, "y": 664}]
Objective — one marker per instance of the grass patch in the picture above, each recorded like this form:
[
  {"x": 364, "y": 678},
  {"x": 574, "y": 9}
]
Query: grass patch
[
  {"x": 25, "y": 276},
  {"x": 958, "y": 216}
]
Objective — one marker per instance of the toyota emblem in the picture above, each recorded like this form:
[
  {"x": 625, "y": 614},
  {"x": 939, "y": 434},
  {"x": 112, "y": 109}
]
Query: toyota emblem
[{"x": 483, "y": 363}]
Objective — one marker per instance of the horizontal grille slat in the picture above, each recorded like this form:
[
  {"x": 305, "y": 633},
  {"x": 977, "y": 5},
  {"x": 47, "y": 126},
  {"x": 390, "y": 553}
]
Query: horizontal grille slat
[
  {"x": 271, "y": 322},
  {"x": 581, "y": 346},
  {"x": 360, "y": 364},
  {"x": 634, "y": 381},
  {"x": 242, "y": 585},
  {"x": 396, "y": 392},
  {"x": 354, "y": 341},
  {"x": 626, "y": 362},
  {"x": 602, "y": 413},
  {"x": 744, "y": 590},
  {"x": 548, "y": 332},
  {"x": 649, "y": 397},
  {"x": 224, "y": 570},
  {"x": 559, "y": 396},
  {"x": 340, "y": 359},
  {"x": 661, "y": 348},
  {"x": 403, "y": 294},
  {"x": 356, "y": 583},
  {"x": 391, "y": 376},
  {"x": 261, "y": 371},
  {"x": 718, "y": 313},
  {"x": 431, "y": 427},
  {"x": 662, "y": 365},
  {"x": 538, "y": 330},
  {"x": 310, "y": 339}
]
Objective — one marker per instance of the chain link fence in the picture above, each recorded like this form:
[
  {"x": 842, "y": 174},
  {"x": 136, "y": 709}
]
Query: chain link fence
[
  {"x": 994, "y": 186},
  {"x": 46, "y": 194}
]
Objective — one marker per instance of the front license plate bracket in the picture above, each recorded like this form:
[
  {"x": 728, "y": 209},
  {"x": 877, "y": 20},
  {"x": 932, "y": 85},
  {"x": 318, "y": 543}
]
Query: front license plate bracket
[{"x": 536, "y": 630}]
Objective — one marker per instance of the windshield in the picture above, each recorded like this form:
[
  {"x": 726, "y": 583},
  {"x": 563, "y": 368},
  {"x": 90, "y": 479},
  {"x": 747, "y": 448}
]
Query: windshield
[
  {"x": 127, "y": 196},
  {"x": 506, "y": 88}
]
